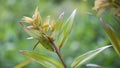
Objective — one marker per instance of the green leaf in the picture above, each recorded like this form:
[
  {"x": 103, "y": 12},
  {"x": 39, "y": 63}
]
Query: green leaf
[
  {"x": 57, "y": 30},
  {"x": 66, "y": 29},
  {"x": 23, "y": 64},
  {"x": 87, "y": 56},
  {"x": 59, "y": 23},
  {"x": 112, "y": 36},
  {"x": 46, "y": 43},
  {"x": 39, "y": 36},
  {"x": 43, "y": 60}
]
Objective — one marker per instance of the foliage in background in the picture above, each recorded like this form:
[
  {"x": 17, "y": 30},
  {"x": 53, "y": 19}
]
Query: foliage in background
[
  {"x": 87, "y": 34},
  {"x": 114, "y": 6},
  {"x": 102, "y": 5},
  {"x": 113, "y": 37}
]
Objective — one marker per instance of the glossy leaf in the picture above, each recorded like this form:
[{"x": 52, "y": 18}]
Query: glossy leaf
[
  {"x": 21, "y": 65},
  {"x": 112, "y": 36},
  {"x": 87, "y": 56},
  {"x": 43, "y": 60}
]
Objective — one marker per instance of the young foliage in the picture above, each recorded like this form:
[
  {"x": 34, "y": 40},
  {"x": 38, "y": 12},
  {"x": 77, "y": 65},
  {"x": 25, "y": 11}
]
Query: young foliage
[
  {"x": 48, "y": 33},
  {"x": 112, "y": 36},
  {"x": 66, "y": 29},
  {"x": 87, "y": 56},
  {"x": 43, "y": 60}
]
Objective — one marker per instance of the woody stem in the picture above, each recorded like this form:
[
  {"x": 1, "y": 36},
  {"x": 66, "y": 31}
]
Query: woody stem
[
  {"x": 57, "y": 50},
  {"x": 60, "y": 56}
]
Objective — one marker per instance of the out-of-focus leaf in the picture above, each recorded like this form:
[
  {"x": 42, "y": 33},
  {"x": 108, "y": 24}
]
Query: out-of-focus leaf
[
  {"x": 93, "y": 65},
  {"x": 101, "y": 5},
  {"x": 87, "y": 56},
  {"x": 100, "y": 11},
  {"x": 39, "y": 36},
  {"x": 112, "y": 36},
  {"x": 23, "y": 64},
  {"x": 115, "y": 10},
  {"x": 43, "y": 60},
  {"x": 30, "y": 38},
  {"x": 66, "y": 29}
]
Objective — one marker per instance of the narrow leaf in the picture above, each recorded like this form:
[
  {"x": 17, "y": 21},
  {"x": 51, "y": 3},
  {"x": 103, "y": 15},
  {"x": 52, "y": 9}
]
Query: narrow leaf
[
  {"x": 59, "y": 23},
  {"x": 87, "y": 56},
  {"x": 23, "y": 64},
  {"x": 66, "y": 29},
  {"x": 112, "y": 36},
  {"x": 43, "y": 60},
  {"x": 58, "y": 26}
]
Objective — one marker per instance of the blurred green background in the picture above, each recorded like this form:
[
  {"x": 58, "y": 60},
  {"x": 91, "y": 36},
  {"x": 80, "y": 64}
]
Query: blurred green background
[{"x": 86, "y": 35}]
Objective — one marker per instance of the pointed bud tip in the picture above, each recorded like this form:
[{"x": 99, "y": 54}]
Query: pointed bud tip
[
  {"x": 61, "y": 15},
  {"x": 73, "y": 13},
  {"x": 102, "y": 21},
  {"x": 75, "y": 10}
]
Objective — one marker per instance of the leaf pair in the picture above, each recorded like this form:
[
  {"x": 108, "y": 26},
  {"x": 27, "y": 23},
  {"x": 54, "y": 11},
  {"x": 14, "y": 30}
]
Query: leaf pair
[{"x": 63, "y": 29}]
